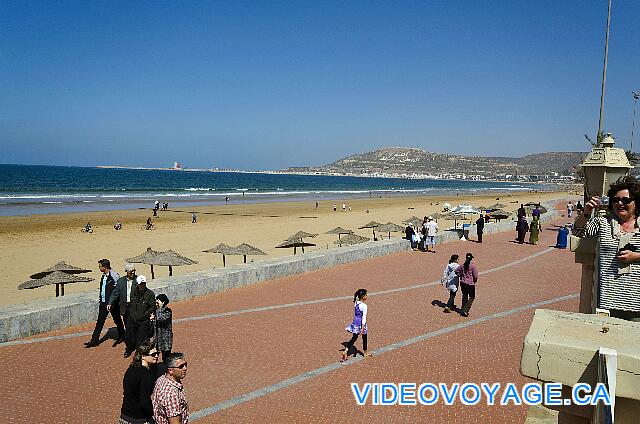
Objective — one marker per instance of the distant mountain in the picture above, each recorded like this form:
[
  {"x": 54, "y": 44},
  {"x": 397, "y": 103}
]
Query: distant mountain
[{"x": 408, "y": 161}]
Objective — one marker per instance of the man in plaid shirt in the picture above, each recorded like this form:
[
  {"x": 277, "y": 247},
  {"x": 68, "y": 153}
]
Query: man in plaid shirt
[{"x": 169, "y": 401}]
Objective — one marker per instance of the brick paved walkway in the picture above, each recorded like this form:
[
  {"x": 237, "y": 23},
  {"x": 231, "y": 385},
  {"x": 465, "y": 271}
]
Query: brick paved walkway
[{"x": 256, "y": 351}]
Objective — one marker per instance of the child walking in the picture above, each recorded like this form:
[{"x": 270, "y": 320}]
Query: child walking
[{"x": 359, "y": 324}]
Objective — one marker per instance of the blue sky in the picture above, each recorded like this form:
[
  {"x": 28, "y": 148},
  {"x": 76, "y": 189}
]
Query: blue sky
[{"x": 270, "y": 84}]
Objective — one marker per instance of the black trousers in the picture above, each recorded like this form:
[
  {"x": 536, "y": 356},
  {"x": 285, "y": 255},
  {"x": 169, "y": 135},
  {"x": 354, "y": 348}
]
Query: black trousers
[
  {"x": 353, "y": 340},
  {"x": 452, "y": 298},
  {"x": 479, "y": 236},
  {"x": 102, "y": 316},
  {"x": 468, "y": 296},
  {"x": 137, "y": 333}
]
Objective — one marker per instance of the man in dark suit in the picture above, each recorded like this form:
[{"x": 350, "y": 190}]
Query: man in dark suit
[
  {"x": 122, "y": 296},
  {"x": 143, "y": 304},
  {"x": 480, "y": 227},
  {"x": 107, "y": 285}
]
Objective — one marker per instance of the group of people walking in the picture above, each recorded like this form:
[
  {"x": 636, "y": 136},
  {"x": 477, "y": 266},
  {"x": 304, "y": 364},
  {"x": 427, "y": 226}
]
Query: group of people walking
[
  {"x": 144, "y": 324},
  {"x": 463, "y": 277},
  {"x": 424, "y": 236},
  {"x": 523, "y": 226}
]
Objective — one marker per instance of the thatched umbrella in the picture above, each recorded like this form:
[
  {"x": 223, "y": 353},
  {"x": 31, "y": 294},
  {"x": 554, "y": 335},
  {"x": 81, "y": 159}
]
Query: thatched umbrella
[
  {"x": 60, "y": 266},
  {"x": 246, "y": 249},
  {"x": 301, "y": 235},
  {"x": 59, "y": 278},
  {"x": 499, "y": 214},
  {"x": 497, "y": 206},
  {"x": 530, "y": 209},
  {"x": 414, "y": 220},
  {"x": 439, "y": 215},
  {"x": 171, "y": 259},
  {"x": 145, "y": 258},
  {"x": 372, "y": 225},
  {"x": 295, "y": 243},
  {"x": 222, "y": 248},
  {"x": 390, "y": 227},
  {"x": 339, "y": 231},
  {"x": 351, "y": 239}
]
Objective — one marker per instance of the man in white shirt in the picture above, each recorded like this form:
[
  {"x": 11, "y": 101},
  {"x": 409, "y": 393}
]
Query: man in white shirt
[{"x": 431, "y": 230}]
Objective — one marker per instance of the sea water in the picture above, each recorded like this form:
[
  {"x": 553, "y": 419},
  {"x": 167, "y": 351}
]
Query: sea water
[{"x": 30, "y": 189}]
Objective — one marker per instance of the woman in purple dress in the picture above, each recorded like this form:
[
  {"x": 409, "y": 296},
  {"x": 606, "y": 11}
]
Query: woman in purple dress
[{"x": 359, "y": 324}]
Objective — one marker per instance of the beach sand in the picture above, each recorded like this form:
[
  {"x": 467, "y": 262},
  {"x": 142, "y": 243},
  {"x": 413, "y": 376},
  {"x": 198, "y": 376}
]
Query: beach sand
[{"x": 34, "y": 243}]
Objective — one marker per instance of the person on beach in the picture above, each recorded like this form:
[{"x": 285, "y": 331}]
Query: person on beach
[
  {"x": 450, "y": 281},
  {"x": 468, "y": 274},
  {"x": 480, "y": 227},
  {"x": 194, "y": 218},
  {"x": 522, "y": 227},
  {"x": 143, "y": 304},
  {"x": 534, "y": 230},
  {"x": 121, "y": 296},
  {"x": 226, "y": 199},
  {"x": 618, "y": 238},
  {"x": 88, "y": 228},
  {"x": 137, "y": 384},
  {"x": 344, "y": 207},
  {"x": 117, "y": 226},
  {"x": 359, "y": 324},
  {"x": 432, "y": 230},
  {"x": 316, "y": 205},
  {"x": 169, "y": 400},
  {"x": 107, "y": 285},
  {"x": 335, "y": 207},
  {"x": 156, "y": 205},
  {"x": 149, "y": 224},
  {"x": 163, "y": 325}
]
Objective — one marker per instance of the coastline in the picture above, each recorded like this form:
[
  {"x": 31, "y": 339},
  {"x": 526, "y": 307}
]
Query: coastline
[{"x": 36, "y": 242}]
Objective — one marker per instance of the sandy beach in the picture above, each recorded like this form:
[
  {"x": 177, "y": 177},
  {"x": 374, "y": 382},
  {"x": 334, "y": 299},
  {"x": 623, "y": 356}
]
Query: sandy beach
[{"x": 34, "y": 243}]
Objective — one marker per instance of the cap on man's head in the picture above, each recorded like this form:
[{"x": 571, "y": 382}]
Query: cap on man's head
[
  {"x": 129, "y": 267},
  {"x": 141, "y": 279},
  {"x": 430, "y": 218},
  {"x": 469, "y": 256}
]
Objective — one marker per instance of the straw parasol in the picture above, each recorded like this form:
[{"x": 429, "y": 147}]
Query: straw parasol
[
  {"x": 339, "y": 231},
  {"x": 60, "y": 266},
  {"x": 301, "y": 235},
  {"x": 351, "y": 239},
  {"x": 499, "y": 214},
  {"x": 145, "y": 258},
  {"x": 246, "y": 250},
  {"x": 59, "y": 278},
  {"x": 530, "y": 209},
  {"x": 295, "y": 243},
  {"x": 390, "y": 227},
  {"x": 372, "y": 225},
  {"x": 221, "y": 248},
  {"x": 171, "y": 259},
  {"x": 496, "y": 206},
  {"x": 414, "y": 220}
]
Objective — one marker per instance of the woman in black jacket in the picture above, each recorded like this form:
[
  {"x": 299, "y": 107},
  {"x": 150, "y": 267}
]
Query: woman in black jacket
[{"x": 138, "y": 384}]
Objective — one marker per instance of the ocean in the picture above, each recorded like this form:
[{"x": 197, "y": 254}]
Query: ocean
[{"x": 30, "y": 189}]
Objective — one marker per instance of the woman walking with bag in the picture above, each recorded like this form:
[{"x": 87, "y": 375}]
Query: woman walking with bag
[
  {"x": 468, "y": 274},
  {"x": 358, "y": 325},
  {"x": 450, "y": 281}
]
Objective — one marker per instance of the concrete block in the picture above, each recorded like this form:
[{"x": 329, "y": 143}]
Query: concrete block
[{"x": 562, "y": 347}]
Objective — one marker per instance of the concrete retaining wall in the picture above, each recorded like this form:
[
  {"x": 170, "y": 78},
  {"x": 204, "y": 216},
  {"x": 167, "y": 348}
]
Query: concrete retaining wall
[{"x": 17, "y": 321}]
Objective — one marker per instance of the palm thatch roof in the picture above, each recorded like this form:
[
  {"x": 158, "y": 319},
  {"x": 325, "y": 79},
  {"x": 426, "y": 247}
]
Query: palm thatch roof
[
  {"x": 302, "y": 234},
  {"x": 59, "y": 278},
  {"x": 171, "y": 258},
  {"x": 225, "y": 249},
  {"x": 60, "y": 266},
  {"x": 293, "y": 242},
  {"x": 390, "y": 227},
  {"x": 351, "y": 239},
  {"x": 372, "y": 224},
  {"x": 246, "y": 249},
  {"x": 414, "y": 220},
  {"x": 339, "y": 230},
  {"x": 500, "y": 214},
  {"x": 496, "y": 206},
  {"x": 145, "y": 258}
]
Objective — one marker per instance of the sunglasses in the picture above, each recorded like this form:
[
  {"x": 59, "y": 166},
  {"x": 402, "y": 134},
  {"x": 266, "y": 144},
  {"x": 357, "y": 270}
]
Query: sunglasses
[
  {"x": 154, "y": 354},
  {"x": 624, "y": 200},
  {"x": 182, "y": 366}
]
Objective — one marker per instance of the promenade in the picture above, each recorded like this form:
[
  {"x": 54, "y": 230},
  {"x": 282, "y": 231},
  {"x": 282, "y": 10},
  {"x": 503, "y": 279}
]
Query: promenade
[{"x": 269, "y": 352}]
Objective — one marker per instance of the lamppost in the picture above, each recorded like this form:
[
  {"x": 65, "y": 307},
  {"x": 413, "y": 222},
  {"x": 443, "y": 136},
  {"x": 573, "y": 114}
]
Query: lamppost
[
  {"x": 636, "y": 96},
  {"x": 604, "y": 75}
]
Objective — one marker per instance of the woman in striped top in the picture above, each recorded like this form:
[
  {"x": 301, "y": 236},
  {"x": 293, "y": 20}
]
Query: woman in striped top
[{"x": 618, "y": 254}]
